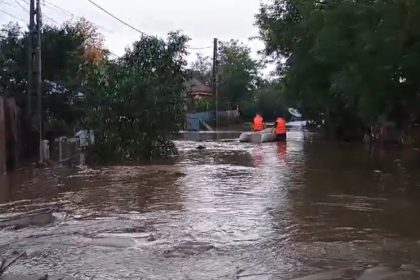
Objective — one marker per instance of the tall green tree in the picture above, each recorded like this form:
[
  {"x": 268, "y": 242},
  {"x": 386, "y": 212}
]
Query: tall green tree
[
  {"x": 12, "y": 61},
  {"x": 349, "y": 63},
  {"x": 64, "y": 50},
  {"x": 140, "y": 104},
  {"x": 201, "y": 69},
  {"x": 238, "y": 73}
]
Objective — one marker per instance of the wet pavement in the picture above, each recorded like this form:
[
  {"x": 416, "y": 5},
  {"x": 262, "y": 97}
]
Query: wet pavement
[{"x": 304, "y": 210}]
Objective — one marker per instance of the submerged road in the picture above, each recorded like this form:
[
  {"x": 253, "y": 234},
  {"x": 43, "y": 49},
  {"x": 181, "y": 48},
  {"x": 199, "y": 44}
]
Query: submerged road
[{"x": 303, "y": 210}]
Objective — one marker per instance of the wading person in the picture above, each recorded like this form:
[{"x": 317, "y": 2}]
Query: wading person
[{"x": 280, "y": 129}]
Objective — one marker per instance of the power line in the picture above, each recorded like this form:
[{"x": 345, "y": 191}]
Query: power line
[
  {"x": 2, "y": 1},
  {"x": 58, "y": 8},
  {"x": 26, "y": 10},
  {"x": 118, "y": 19},
  {"x": 52, "y": 5},
  {"x": 8, "y": 4},
  {"x": 51, "y": 19},
  {"x": 11, "y": 15},
  {"x": 59, "y": 12},
  {"x": 47, "y": 17},
  {"x": 134, "y": 28},
  {"x": 63, "y": 11},
  {"x": 20, "y": 5},
  {"x": 200, "y": 48}
]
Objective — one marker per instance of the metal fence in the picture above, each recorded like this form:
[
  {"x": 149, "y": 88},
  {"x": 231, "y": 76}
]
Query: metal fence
[
  {"x": 202, "y": 120},
  {"x": 194, "y": 121}
]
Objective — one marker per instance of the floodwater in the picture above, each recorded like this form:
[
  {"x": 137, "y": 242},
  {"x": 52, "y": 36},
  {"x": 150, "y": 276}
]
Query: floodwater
[{"x": 306, "y": 210}]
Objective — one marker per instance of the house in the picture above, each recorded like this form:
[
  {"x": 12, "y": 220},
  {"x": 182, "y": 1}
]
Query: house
[{"x": 198, "y": 90}]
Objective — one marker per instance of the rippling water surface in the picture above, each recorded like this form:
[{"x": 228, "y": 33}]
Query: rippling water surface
[{"x": 231, "y": 211}]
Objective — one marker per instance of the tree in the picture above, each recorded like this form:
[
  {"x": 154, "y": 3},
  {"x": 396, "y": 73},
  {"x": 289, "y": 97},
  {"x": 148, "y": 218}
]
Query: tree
[
  {"x": 134, "y": 103},
  {"x": 348, "y": 62},
  {"x": 238, "y": 73},
  {"x": 140, "y": 104},
  {"x": 93, "y": 43},
  {"x": 201, "y": 69},
  {"x": 64, "y": 50},
  {"x": 12, "y": 61},
  {"x": 269, "y": 99}
]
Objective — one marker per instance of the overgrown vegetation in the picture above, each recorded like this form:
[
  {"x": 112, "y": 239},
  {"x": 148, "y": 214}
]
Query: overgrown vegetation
[
  {"x": 348, "y": 65},
  {"x": 138, "y": 101},
  {"x": 241, "y": 82},
  {"x": 134, "y": 103},
  {"x": 351, "y": 64}
]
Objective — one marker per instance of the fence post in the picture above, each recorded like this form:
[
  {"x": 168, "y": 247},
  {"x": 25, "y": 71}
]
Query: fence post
[{"x": 61, "y": 142}]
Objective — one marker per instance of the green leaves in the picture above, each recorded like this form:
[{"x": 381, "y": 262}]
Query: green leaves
[
  {"x": 134, "y": 103},
  {"x": 12, "y": 61},
  {"x": 141, "y": 106},
  {"x": 352, "y": 60},
  {"x": 238, "y": 73},
  {"x": 63, "y": 55}
]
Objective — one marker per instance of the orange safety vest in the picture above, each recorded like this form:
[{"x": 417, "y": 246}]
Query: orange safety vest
[
  {"x": 258, "y": 123},
  {"x": 281, "y": 126}
]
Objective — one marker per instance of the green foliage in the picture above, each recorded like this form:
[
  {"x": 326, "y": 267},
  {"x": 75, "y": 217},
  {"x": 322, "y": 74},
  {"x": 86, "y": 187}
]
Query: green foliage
[
  {"x": 140, "y": 105},
  {"x": 238, "y": 74},
  {"x": 12, "y": 61},
  {"x": 269, "y": 100},
  {"x": 134, "y": 103},
  {"x": 201, "y": 105},
  {"x": 350, "y": 63},
  {"x": 201, "y": 69},
  {"x": 63, "y": 52},
  {"x": 240, "y": 83}
]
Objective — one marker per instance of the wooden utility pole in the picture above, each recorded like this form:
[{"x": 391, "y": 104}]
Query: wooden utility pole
[
  {"x": 35, "y": 80},
  {"x": 31, "y": 59},
  {"x": 215, "y": 88}
]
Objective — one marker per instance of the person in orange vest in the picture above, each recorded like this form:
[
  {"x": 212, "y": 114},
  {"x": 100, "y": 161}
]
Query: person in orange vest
[
  {"x": 280, "y": 129},
  {"x": 258, "y": 123}
]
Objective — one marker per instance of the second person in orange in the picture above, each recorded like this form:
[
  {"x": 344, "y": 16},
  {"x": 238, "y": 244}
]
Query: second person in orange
[{"x": 280, "y": 129}]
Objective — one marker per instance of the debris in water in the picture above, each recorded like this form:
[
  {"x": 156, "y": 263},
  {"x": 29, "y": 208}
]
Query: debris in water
[
  {"x": 40, "y": 217},
  {"x": 4, "y": 265}
]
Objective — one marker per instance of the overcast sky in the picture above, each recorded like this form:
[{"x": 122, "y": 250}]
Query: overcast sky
[{"x": 202, "y": 20}]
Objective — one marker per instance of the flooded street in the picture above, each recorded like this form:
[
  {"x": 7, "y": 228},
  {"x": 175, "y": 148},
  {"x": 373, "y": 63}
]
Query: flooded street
[{"x": 302, "y": 210}]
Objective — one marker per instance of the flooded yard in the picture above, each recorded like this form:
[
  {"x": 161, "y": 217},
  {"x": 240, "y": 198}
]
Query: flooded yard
[{"x": 302, "y": 210}]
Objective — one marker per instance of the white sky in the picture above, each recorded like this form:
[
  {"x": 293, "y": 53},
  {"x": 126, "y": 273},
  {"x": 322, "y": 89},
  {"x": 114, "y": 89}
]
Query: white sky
[{"x": 201, "y": 20}]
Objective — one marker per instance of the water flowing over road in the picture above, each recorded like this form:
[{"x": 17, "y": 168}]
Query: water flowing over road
[{"x": 307, "y": 209}]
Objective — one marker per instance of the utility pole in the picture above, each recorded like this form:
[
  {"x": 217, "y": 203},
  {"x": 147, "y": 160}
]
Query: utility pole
[
  {"x": 31, "y": 58},
  {"x": 215, "y": 87},
  {"x": 35, "y": 80}
]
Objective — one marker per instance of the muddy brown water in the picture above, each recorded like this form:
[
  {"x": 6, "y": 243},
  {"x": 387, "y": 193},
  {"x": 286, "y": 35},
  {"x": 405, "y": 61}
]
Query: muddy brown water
[{"x": 302, "y": 210}]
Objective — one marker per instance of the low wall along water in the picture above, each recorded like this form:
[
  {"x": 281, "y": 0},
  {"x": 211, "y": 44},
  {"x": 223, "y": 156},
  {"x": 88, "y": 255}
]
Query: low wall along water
[{"x": 198, "y": 121}]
